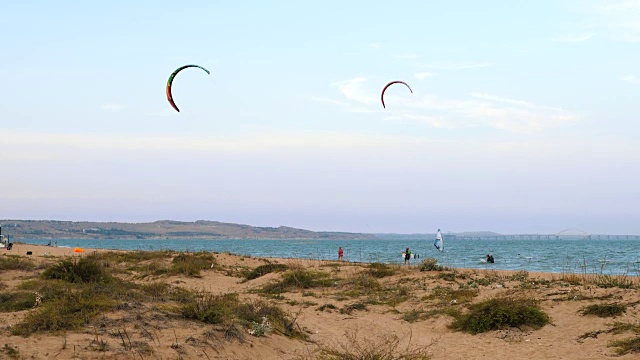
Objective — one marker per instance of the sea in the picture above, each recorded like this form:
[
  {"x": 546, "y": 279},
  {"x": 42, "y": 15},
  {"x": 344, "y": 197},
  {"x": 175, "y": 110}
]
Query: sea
[{"x": 590, "y": 256}]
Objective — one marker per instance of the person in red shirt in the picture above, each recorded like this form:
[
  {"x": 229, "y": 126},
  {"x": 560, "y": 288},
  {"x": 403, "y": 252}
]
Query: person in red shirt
[{"x": 340, "y": 253}]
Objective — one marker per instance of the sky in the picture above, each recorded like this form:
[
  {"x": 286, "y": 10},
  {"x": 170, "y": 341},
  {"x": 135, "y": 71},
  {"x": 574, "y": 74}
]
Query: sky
[{"x": 523, "y": 117}]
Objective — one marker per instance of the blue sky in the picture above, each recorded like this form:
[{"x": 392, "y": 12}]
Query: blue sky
[{"x": 523, "y": 118}]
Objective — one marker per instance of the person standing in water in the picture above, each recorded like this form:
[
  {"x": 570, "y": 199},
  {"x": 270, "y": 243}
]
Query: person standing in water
[
  {"x": 407, "y": 257},
  {"x": 490, "y": 259},
  {"x": 340, "y": 253}
]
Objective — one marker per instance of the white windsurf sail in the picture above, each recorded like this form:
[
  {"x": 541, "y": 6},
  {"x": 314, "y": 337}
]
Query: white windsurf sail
[{"x": 438, "y": 243}]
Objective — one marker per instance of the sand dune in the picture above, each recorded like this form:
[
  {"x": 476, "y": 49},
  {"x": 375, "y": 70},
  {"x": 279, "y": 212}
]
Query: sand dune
[{"x": 407, "y": 310}]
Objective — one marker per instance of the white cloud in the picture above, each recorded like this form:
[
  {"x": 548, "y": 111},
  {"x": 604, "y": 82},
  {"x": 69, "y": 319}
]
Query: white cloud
[
  {"x": 620, "y": 18},
  {"x": 475, "y": 110},
  {"x": 422, "y": 75},
  {"x": 574, "y": 38},
  {"x": 111, "y": 107},
  {"x": 346, "y": 106},
  {"x": 352, "y": 90},
  {"x": 375, "y": 45},
  {"x": 407, "y": 56},
  {"x": 459, "y": 65},
  {"x": 502, "y": 99},
  {"x": 632, "y": 79},
  {"x": 433, "y": 121},
  {"x": 169, "y": 144}
]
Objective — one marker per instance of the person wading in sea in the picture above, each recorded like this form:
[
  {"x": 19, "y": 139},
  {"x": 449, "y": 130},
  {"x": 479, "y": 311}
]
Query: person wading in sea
[{"x": 407, "y": 257}]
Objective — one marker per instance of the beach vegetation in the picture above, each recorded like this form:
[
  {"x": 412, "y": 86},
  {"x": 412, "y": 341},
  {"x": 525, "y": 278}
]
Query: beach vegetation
[
  {"x": 359, "y": 285},
  {"x": 74, "y": 310},
  {"x": 264, "y": 270},
  {"x": 421, "y": 314},
  {"x": 430, "y": 264},
  {"x": 227, "y": 308},
  {"x": 348, "y": 309},
  {"x": 609, "y": 281},
  {"x": 501, "y": 313},
  {"x": 411, "y": 316},
  {"x": 299, "y": 278},
  {"x": 483, "y": 281},
  {"x": 522, "y": 275},
  {"x": 448, "y": 276},
  {"x": 447, "y": 295},
  {"x": 329, "y": 306},
  {"x": 380, "y": 270},
  {"x": 353, "y": 347},
  {"x": 604, "y": 310},
  {"x": 190, "y": 264},
  {"x": 626, "y": 346},
  {"x": 73, "y": 270},
  {"x": 10, "y": 351},
  {"x": 14, "y": 262},
  {"x": 16, "y": 301},
  {"x": 615, "y": 328}
]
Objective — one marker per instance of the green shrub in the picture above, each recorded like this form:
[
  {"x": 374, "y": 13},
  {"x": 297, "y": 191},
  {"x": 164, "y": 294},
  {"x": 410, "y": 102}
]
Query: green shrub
[
  {"x": 348, "y": 309},
  {"x": 447, "y": 294},
  {"x": 265, "y": 269},
  {"x": 412, "y": 316},
  {"x": 360, "y": 284},
  {"x": 161, "y": 292},
  {"x": 430, "y": 264},
  {"x": 483, "y": 281},
  {"x": 497, "y": 314},
  {"x": 11, "y": 352},
  {"x": 210, "y": 309},
  {"x": 608, "y": 281},
  {"x": 299, "y": 279},
  {"x": 73, "y": 311},
  {"x": 380, "y": 270},
  {"x": 254, "y": 311},
  {"x": 16, "y": 301},
  {"x": 15, "y": 262},
  {"x": 83, "y": 270},
  {"x": 520, "y": 276},
  {"x": 192, "y": 264},
  {"x": 227, "y": 308},
  {"x": 448, "y": 276},
  {"x": 626, "y": 346},
  {"x": 604, "y": 310},
  {"x": 327, "y": 306},
  {"x": 50, "y": 290}
]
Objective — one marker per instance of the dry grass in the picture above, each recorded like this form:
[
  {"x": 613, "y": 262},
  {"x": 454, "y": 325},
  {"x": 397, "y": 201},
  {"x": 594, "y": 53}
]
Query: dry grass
[{"x": 356, "y": 347}]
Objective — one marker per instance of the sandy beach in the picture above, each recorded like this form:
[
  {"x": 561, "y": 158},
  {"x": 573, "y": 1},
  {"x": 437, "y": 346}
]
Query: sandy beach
[{"x": 342, "y": 307}]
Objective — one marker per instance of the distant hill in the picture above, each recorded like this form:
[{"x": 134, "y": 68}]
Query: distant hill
[{"x": 164, "y": 229}]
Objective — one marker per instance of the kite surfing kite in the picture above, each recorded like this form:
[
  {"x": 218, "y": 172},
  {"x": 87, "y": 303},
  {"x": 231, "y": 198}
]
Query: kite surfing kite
[
  {"x": 170, "y": 81},
  {"x": 389, "y": 84}
]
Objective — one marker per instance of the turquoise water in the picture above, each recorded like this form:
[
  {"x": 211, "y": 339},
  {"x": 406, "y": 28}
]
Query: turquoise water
[{"x": 613, "y": 257}]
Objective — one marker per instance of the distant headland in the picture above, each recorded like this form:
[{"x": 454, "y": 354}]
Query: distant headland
[{"x": 163, "y": 229}]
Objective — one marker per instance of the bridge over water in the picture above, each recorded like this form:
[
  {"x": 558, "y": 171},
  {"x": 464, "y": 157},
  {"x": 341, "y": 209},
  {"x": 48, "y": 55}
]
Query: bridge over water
[{"x": 525, "y": 237}]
